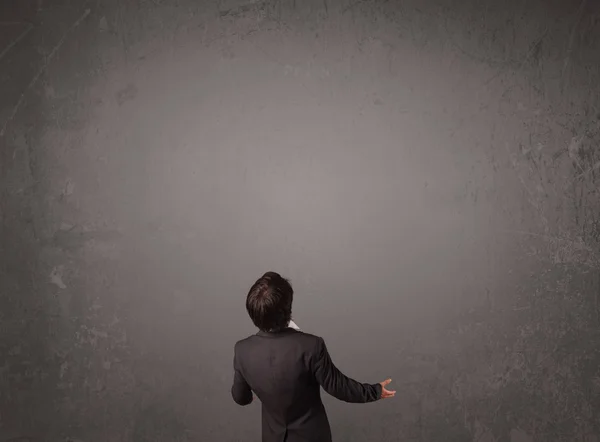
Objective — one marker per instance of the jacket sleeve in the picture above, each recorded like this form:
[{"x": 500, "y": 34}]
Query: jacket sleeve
[
  {"x": 336, "y": 383},
  {"x": 240, "y": 390}
]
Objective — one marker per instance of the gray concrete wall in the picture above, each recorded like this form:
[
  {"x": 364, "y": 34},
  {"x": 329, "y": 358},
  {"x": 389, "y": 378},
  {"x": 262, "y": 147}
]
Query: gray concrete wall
[{"x": 431, "y": 166}]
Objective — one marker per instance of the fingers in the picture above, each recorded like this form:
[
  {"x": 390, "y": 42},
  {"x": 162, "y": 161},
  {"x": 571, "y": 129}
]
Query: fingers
[{"x": 385, "y": 393}]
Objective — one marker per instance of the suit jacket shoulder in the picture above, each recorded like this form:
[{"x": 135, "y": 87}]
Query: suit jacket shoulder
[{"x": 308, "y": 343}]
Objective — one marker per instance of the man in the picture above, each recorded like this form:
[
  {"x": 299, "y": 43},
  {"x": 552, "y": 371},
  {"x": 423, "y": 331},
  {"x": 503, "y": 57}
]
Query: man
[{"x": 285, "y": 368}]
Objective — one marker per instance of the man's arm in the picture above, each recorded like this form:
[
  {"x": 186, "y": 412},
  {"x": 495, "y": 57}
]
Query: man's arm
[
  {"x": 339, "y": 385},
  {"x": 240, "y": 390}
]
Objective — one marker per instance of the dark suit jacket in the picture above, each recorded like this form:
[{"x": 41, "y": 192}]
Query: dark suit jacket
[{"x": 286, "y": 370}]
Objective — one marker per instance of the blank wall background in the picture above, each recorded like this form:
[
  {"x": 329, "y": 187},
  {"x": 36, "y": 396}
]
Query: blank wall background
[{"x": 424, "y": 175}]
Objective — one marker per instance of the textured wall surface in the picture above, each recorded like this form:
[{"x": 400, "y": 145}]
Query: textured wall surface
[{"x": 430, "y": 166}]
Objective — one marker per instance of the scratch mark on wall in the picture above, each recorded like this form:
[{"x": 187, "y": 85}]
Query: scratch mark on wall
[
  {"x": 43, "y": 69},
  {"x": 16, "y": 41}
]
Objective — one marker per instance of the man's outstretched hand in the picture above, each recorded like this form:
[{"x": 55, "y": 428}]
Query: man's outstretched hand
[{"x": 385, "y": 393}]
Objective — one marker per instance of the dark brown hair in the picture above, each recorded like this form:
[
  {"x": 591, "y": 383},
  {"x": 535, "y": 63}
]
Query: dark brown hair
[{"x": 269, "y": 302}]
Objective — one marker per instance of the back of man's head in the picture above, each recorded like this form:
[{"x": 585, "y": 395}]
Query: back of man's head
[{"x": 269, "y": 302}]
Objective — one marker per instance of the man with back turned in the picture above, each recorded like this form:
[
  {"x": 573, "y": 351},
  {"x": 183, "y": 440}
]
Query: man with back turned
[{"x": 285, "y": 369}]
